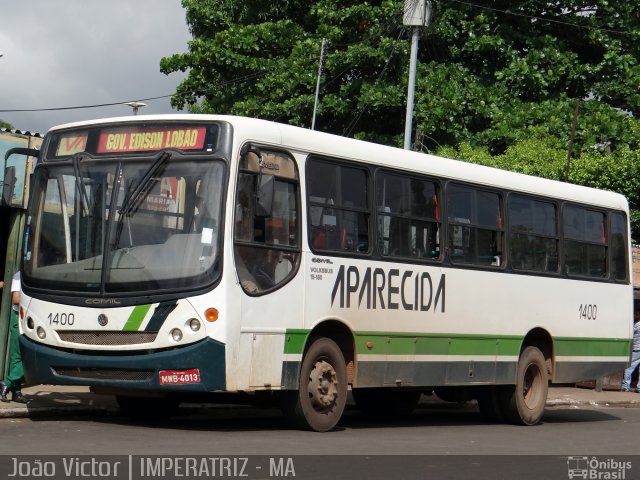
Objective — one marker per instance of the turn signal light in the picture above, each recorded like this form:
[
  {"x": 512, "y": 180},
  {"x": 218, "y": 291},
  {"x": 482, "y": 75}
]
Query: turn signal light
[{"x": 211, "y": 314}]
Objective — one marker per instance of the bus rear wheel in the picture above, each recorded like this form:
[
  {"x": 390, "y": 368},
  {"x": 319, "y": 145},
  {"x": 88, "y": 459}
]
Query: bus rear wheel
[
  {"x": 320, "y": 399},
  {"x": 524, "y": 404}
]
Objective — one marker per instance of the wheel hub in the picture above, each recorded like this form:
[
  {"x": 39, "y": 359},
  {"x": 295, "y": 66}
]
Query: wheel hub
[{"x": 323, "y": 385}]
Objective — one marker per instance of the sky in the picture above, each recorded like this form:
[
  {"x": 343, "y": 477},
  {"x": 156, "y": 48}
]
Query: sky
[{"x": 67, "y": 53}]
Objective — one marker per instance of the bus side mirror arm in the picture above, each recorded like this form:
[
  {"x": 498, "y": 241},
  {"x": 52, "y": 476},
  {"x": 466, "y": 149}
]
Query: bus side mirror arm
[{"x": 29, "y": 152}]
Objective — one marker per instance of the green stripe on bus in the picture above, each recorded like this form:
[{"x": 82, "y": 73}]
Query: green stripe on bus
[
  {"x": 295, "y": 340},
  {"x": 407, "y": 343},
  {"x": 136, "y": 318},
  {"x": 391, "y": 343},
  {"x": 600, "y": 347}
]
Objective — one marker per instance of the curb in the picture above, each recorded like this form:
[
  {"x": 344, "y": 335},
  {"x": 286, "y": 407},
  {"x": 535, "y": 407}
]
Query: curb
[
  {"x": 570, "y": 402},
  {"x": 34, "y": 412}
]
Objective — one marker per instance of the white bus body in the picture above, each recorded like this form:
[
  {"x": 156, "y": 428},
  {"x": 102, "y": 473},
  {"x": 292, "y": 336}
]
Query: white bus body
[{"x": 187, "y": 314}]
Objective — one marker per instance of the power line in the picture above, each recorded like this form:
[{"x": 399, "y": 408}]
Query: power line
[
  {"x": 534, "y": 17},
  {"x": 78, "y": 107},
  {"x": 148, "y": 99}
]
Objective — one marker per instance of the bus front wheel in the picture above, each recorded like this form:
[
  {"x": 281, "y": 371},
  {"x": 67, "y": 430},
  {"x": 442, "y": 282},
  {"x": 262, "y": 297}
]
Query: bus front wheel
[
  {"x": 320, "y": 399},
  {"x": 524, "y": 404}
]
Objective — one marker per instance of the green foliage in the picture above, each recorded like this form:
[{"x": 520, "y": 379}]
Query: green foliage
[
  {"x": 485, "y": 75},
  {"x": 4, "y": 124},
  {"x": 498, "y": 81}
]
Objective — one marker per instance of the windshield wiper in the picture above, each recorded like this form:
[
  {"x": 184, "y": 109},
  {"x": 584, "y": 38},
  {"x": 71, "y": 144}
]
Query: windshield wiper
[
  {"x": 135, "y": 195},
  {"x": 84, "y": 200}
]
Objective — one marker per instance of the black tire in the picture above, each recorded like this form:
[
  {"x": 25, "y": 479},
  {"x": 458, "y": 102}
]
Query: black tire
[
  {"x": 524, "y": 403},
  {"x": 322, "y": 394},
  {"x": 147, "y": 408},
  {"x": 383, "y": 402}
]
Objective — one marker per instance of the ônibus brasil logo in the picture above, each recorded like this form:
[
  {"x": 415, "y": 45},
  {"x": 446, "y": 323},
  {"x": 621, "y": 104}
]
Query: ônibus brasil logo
[{"x": 593, "y": 468}]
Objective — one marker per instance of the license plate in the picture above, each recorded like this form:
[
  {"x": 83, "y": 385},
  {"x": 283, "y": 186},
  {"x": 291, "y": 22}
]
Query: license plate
[{"x": 179, "y": 377}]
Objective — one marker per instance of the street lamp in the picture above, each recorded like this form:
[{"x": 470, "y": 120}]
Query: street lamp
[
  {"x": 136, "y": 106},
  {"x": 416, "y": 15}
]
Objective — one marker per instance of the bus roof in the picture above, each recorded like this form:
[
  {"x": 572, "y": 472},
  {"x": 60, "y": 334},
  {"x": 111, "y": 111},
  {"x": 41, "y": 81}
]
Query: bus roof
[{"x": 310, "y": 141}]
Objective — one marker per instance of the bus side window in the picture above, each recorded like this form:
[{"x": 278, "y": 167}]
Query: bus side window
[
  {"x": 533, "y": 234},
  {"x": 338, "y": 207},
  {"x": 585, "y": 242},
  {"x": 408, "y": 215},
  {"x": 475, "y": 226},
  {"x": 266, "y": 246}
]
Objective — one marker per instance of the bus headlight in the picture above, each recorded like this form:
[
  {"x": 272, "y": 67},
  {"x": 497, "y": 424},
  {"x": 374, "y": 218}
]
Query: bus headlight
[
  {"x": 194, "y": 324},
  {"x": 41, "y": 333},
  {"x": 30, "y": 324},
  {"x": 176, "y": 334}
]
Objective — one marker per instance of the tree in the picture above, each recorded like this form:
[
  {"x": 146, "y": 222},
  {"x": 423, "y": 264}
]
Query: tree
[
  {"x": 485, "y": 73},
  {"x": 6, "y": 125},
  {"x": 506, "y": 68},
  {"x": 264, "y": 63}
]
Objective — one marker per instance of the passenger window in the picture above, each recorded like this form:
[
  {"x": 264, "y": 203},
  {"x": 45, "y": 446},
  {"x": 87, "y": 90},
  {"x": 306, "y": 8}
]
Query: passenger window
[
  {"x": 408, "y": 216},
  {"x": 338, "y": 207},
  {"x": 533, "y": 235},
  {"x": 585, "y": 242},
  {"x": 266, "y": 216},
  {"x": 475, "y": 226},
  {"x": 618, "y": 245}
]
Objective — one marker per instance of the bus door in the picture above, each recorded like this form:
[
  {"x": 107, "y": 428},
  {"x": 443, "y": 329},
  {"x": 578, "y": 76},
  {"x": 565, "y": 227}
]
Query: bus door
[{"x": 266, "y": 254}]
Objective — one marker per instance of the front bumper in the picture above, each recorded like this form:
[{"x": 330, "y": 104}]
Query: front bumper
[{"x": 46, "y": 365}]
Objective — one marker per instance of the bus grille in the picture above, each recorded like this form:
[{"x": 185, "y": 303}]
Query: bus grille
[
  {"x": 106, "y": 338},
  {"x": 104, "y": 373}
]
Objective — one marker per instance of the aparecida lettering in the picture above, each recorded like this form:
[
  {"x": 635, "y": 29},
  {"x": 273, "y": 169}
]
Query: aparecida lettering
[{"x": 392, "y": 289}]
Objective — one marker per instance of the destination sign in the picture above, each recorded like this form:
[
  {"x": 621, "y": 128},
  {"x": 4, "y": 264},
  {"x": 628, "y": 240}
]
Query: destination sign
[
  {"x": 148, "y": 139},
  {"x": 72, "y": 143}
]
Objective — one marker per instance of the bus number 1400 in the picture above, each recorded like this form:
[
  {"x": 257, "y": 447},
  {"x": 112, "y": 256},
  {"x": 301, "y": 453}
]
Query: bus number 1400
[
  {"x": 587, "y": 311},
  {"x": 61, "y": 319}
]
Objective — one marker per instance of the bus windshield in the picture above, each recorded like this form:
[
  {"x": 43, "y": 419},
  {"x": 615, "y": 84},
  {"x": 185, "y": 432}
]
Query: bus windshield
[{"x": 125, "y": 225}]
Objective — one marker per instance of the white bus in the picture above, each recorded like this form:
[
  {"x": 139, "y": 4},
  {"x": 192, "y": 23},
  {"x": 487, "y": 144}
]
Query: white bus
[{"x": 175, "y": 254}]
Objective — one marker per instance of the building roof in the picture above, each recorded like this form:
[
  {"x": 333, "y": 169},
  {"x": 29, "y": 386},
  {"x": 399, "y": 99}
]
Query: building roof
[{"x": 21, "y": 132}]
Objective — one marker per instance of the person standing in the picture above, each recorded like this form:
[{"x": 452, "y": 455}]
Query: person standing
[
  {"x": 15, "y": 377},
  {"x": 635, "y": 354}
]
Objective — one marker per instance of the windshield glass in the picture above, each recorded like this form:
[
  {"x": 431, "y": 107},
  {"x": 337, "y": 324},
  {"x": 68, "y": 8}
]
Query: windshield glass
[{"x": 159, "y": 233}]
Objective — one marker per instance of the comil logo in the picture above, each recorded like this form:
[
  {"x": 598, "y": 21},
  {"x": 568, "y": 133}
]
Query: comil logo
[{"x": 593, "y": 468}]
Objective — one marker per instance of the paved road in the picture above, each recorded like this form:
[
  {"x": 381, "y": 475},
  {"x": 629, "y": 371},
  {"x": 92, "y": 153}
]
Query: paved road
[{"x": 433, "y": 430}]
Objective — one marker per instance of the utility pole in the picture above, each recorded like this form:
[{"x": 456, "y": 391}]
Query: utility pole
[
  {"x": 315, "y": 103},
  {"x": 416, "y": 14}
]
